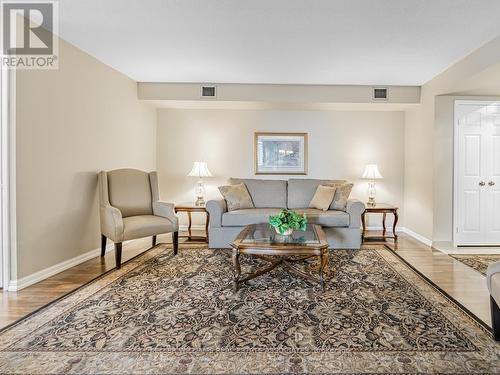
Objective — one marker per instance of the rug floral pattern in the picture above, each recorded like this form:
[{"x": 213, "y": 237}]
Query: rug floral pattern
[
  {"x": 478, "y": 262},
  {"x": 166, "y": 314}
]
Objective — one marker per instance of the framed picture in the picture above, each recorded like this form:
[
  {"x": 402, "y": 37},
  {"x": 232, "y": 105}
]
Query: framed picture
[{"x": 280, "y": 153}]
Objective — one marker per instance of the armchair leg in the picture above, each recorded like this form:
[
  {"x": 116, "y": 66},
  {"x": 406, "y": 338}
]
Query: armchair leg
[
  {"x": 495, "y": 319},
  {"x": 175, "y": 240},
  {"x": 154, "y": 241},
  {"x": 118, "y": 255},
  {"x": 103, "y": 245}
]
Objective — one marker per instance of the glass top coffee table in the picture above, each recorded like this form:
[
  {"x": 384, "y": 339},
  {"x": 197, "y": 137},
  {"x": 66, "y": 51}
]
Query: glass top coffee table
[{"x": 261, "y": 241}]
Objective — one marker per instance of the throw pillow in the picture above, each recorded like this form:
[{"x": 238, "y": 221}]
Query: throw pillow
[
  {"x": 341, "y": 196},
  {"x": 323, "y": 197},
  {"x": 236, "y": 196}
]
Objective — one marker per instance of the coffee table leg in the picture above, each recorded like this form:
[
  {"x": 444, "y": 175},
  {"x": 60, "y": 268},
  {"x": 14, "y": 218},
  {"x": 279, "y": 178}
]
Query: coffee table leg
[{"x": 237, "y": 268}]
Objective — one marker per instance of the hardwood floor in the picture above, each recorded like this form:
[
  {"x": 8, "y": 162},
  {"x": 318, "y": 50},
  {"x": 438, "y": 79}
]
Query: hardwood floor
[{"x": 458, "y": 280}]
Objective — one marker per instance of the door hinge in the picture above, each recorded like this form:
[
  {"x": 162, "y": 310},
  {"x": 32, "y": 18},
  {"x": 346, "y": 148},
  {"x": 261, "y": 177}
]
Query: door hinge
[{"x": 456, "y": 229}]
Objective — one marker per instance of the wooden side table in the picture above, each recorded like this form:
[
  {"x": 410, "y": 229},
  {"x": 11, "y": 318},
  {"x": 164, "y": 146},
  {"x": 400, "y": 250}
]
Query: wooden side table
[
  {"x": 384, "y": 209},
  {"x": 190, "y": 208}
]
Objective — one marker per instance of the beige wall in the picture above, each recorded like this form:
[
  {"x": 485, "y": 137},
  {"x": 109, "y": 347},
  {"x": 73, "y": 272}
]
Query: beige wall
[
  {"x": 427, "y": 142},
  {"x": 71, "y": 123},
  {"x": 340, "y": 144}
]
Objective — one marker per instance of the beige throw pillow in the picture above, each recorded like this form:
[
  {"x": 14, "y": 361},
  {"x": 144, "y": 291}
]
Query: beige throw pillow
[
  {"x": 341, "y": 196},
  {"x": 236, "y": 196},
  {"x": 323, "y": 197}
]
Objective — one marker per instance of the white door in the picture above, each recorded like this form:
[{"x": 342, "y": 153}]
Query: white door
[{"x": 477, "y": 173}]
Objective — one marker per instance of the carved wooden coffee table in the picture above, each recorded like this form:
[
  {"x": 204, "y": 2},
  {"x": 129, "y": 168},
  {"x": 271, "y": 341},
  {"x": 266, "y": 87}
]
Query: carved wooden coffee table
[{"x": 262, "y": 242}]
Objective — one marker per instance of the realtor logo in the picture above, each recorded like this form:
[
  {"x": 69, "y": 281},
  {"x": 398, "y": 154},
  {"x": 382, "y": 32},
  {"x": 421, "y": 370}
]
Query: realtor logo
[{"x": 29, "y": 39}]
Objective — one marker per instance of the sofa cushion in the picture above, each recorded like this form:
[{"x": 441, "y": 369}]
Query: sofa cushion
[
  {"x": 265, "y": 193},
  {"x": 323, "y": 197},
  {"x": 236, "y": 196},
  {"x": 248, "y": 216},
  {"x": 330, "y": 218},
  {"x": 341, "y": 196},
  {"x": 145, "y": 226},
  {"x": 301, "y": 190}
]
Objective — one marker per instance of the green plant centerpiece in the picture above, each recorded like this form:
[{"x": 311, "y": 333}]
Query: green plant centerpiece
[{"x": 287, "y": 221}]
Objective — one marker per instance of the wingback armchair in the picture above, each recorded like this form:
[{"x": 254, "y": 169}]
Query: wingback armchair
[{"x": 130, "y": 208}]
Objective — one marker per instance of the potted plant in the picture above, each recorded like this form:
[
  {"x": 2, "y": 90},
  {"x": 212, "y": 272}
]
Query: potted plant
[{"x": 287, "y": 221}]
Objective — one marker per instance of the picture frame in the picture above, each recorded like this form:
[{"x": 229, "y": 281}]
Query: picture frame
[{"x": 280, "y": 153}]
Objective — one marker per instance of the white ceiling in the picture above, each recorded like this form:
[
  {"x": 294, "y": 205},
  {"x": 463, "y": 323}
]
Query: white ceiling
[{"x": 390, "y": 42}]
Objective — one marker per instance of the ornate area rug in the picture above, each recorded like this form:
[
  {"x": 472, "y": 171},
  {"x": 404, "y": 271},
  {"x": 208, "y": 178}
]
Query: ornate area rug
[
  {"x": 479, "y": 262},
  {"x": 162, "y": 314}
]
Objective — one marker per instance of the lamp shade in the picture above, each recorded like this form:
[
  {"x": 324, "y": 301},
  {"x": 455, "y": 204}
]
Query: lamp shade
[
  {"x": 200, "y": 169},
  {"x": 371, "y": 172}
]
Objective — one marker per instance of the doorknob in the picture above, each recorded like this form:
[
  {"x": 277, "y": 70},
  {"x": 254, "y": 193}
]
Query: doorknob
[
  {"x": 491, "y": 183},
  {"x": 482, "y": 183}
]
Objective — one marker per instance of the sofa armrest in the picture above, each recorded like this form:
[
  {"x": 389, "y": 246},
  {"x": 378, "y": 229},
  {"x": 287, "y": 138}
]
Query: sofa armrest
[
  {"x": 493, "y": 268},
  {"x": 215, "y": 209},
  {"x": 166, "y": 210},
  {"x": 355, "y": 208},
  {"x": 111, "y": 222}
]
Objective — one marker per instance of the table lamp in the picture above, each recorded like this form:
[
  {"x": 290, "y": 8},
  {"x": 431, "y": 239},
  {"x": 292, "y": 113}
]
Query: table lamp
[
  {"x": 371, "y": 173},
  {"x": 200, "y": 170}
]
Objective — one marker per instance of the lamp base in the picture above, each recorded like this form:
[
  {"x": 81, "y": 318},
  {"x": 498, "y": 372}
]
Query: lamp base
[
  {"x": 200, "y": 202},
  {"x": 371, "y": 202}
]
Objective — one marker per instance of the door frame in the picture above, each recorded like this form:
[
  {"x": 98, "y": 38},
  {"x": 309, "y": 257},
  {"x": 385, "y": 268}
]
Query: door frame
[
  {"x": 8, "y": 178},
  {"x": 456, "y": 145}
]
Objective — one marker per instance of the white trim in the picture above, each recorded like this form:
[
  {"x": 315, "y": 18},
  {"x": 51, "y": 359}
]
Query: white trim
[
  {"x": 12, "y": 175},
  {"x": 4, "y": 199},
  {"x": 407, "y": 231},
  {"x": 455, "y": 172},
  {"x": 16, "y": 285},
  {"x": 416, "y": 236},
  {"x": 36, "y": 277},
  {"x": 8, "y": 177}
]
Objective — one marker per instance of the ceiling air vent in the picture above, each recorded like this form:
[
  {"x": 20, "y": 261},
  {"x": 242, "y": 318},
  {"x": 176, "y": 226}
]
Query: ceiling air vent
[
  {"x": 208, "y": 92},
  {"x": 380, "y": 94}
]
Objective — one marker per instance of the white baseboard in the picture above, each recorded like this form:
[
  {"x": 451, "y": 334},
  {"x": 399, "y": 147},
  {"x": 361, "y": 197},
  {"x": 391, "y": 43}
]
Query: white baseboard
[
  {"x": 416, "y": 236},
  {"x": 409, "y": 232},
  {"x": 18, "y": 284}
]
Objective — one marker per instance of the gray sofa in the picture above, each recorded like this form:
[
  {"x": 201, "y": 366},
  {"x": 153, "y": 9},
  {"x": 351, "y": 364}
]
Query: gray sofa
[{"x": 270, "y": 196}]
